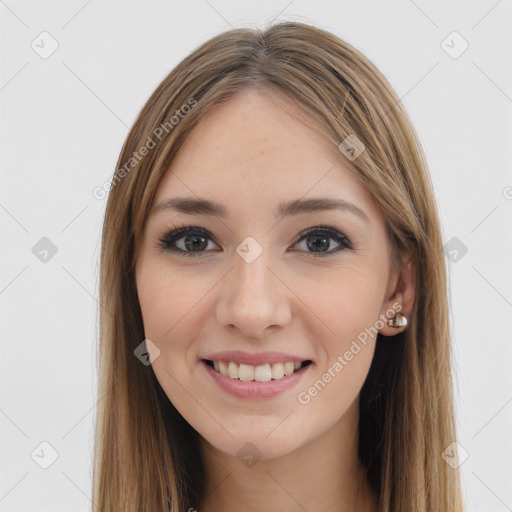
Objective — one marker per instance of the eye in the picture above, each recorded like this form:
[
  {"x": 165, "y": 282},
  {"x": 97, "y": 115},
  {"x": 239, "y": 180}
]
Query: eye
[
  {"x": 318, "y": 238},
  {"x": 193, "y": 241}
]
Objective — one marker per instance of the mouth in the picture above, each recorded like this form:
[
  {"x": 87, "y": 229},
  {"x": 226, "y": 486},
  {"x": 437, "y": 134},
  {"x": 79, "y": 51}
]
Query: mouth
[{"x": 259, "y": 373}]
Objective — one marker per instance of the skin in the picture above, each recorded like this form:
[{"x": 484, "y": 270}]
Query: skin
[{"x": 250, "y": 154}]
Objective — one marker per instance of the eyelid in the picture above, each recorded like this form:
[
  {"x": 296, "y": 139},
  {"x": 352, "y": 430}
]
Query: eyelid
[
  {"x": 172, "y": 234},
  {"x": 324, "y": 228},
  {"x": 331, "y": 232},
  {"x": 169, "y": 236}
]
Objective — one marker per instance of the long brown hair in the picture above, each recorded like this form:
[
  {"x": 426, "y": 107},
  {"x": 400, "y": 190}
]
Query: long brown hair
[{"x": 146, "y": 455}]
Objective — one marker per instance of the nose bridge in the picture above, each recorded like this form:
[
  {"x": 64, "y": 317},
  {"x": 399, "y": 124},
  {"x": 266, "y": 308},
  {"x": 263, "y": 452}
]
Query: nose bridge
[
  {"x": 251, "y": 298},
  {"x": 251, "y": 277}
]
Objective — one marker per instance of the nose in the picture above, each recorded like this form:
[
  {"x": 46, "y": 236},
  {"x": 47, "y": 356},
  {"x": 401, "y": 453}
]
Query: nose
[{"x": 253, "y": 298}]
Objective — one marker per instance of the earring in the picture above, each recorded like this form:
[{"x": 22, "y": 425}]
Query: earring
[{"x": 398, "y": 321}]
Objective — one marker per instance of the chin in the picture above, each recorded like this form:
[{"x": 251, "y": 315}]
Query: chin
[{"x": 249, "y": 446}]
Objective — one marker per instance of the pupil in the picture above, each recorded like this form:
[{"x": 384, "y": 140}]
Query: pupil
[
  {"x": 317, "y": 238},
  {"x": 195, "y": 238}
]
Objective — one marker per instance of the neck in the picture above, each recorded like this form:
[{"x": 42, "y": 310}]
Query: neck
[{"x": 324, "y": 475}]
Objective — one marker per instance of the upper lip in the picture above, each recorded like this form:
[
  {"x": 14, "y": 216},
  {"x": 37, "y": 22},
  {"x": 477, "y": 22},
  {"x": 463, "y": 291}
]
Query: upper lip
[{"x": 254, "y": 359}]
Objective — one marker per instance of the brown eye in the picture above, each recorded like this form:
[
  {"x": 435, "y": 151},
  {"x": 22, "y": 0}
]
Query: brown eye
[
  {"x": 318, "y": 241},
  {"x": 195, "y": 241}
]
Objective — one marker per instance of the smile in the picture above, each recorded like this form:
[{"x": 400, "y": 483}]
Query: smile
[{"x": 260, "y": 373}]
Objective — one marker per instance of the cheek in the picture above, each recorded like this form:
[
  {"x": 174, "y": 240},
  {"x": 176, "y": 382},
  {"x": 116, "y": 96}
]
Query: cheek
[
  {"x": 173, "y": 308},
  {"x": 346, "y": 351},
  {"x": 348, "y": 306},
  {"x": 164, "y": 298},
  {"x": 168, "y": 315},
  {"x": 154, "y": 299},
  {"x": 347, "y": 303}
]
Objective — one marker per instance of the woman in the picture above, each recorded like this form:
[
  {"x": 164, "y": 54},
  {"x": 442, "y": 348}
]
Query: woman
[{"x": 275, "y": 330}]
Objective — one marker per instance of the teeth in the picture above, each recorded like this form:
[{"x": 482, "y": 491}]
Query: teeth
[
  {"x": 233, "y": 370},
  {"x": 261, "y": 373},
  {"x": 277, "y": 371},
  {"x": 288, "y": 368},
  {"x": 246, "y": 372}
]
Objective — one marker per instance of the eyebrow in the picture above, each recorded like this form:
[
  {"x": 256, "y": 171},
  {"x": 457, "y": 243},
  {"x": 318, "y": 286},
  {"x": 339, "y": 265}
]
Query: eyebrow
[{"x": 194, "y": 205}]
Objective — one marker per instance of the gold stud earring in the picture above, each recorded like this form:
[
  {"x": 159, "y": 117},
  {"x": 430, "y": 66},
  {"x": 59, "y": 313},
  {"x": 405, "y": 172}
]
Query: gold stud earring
[{"x": 398, "y": 321}]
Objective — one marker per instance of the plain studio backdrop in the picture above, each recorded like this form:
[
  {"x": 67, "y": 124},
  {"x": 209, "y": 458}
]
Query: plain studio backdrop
[{"x": 74, "y": 76}]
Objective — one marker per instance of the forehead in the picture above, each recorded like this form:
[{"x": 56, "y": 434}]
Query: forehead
[{"x": 251, "y": 151}]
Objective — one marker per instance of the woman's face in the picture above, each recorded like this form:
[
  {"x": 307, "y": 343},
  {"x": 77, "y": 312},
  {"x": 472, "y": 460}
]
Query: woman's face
[{"x": 251, "y": 281}]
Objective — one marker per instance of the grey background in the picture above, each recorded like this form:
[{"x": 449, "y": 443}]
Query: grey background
[{"x": 64, "y": 119}]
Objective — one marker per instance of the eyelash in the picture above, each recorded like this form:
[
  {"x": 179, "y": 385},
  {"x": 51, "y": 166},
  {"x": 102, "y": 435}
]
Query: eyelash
[{"x": 167, "y": 238}]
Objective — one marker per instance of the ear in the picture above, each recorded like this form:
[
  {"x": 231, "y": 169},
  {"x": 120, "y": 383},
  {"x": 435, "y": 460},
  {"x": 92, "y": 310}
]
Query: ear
[{"x": 399, "y": 294}]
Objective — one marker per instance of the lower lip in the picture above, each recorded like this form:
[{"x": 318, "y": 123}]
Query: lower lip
[{"x": 254, "y": 389}]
